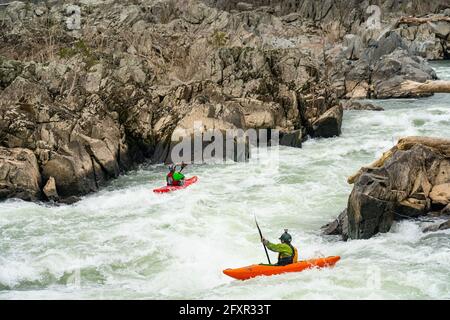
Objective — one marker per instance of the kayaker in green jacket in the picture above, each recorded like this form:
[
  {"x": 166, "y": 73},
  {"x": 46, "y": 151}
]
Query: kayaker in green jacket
[
  {"x": 174, "y": 177},
  {"x": 287, "y": 254}
]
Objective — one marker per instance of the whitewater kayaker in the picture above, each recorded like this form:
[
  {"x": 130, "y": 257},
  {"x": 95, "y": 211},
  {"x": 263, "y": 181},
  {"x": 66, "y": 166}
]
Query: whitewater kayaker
[
  {"x": 287, "y": 253},
  {"x": 174, "y": 177}
]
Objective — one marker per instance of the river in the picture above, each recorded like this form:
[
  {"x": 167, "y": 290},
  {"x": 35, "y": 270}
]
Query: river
[{"x": 125, "y": 242}]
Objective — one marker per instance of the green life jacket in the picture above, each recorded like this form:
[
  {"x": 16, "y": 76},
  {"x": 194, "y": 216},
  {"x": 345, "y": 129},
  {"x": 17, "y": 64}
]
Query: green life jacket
[
  {"x": 177, "y": 176},
  {"x": 282, "y": 261}
]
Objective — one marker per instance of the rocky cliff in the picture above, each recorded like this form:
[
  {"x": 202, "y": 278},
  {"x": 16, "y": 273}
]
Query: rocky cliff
[{"x": 90, "y": 88}]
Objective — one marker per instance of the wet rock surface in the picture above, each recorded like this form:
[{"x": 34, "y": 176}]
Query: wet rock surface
[{"x": 398, "y": 186}]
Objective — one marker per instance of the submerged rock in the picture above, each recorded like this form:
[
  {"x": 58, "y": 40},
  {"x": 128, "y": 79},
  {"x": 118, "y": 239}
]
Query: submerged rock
[
  {"x": 356, "y": 105},
  {"x": 442, "y": 226}
]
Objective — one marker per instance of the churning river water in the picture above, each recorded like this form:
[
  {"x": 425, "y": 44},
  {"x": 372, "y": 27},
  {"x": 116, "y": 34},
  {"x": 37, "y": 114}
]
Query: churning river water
[{"x": 125, "y": 242}]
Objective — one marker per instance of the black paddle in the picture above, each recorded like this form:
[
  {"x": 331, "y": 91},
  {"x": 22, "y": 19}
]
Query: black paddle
[
  {"x": 183, "y": 165},
  {"x": 260, "y": 234}
]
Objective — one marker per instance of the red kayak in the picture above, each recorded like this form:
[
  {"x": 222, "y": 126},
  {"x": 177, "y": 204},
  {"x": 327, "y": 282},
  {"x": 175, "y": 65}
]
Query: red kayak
[
  {"x": 187, "y": 183},
  {"x": 268, "y": 270}
]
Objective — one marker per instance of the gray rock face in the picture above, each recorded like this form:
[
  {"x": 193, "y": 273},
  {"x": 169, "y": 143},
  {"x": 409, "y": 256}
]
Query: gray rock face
[
  {"x": 395, "y": 68},
  {"x": 329, "y": 10},
  {"x": 428, "y": 39},
  {"x": 338, "y": 227},
  {"x": 399, "y": 186},
  {"x": 383, "y": 66},
  {"x": 78, "y": 144},
  {"x": 292, "y": 139},
  {"x": 19, "y": 174},
  {"x": 88, "y": 110},
  {"x": 354, "y": 46},
  {"x": 389, "y": 43},
  {"x": 112, "y": 88},
  {"x": 329, "y": 124}
]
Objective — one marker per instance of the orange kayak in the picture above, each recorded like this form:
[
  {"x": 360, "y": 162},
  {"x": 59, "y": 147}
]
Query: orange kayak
[{"x": 255, "y": 270}]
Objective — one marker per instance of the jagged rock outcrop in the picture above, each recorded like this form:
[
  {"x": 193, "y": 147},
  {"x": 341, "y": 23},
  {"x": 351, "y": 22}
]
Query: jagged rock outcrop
[
  {"x": 381, "y": 70},
  {"x": 398, "y": 186},
  {"x": 292, "y": 139},
  {"x": 394, "y": 69},
  {"x": 428, "y": 37},
  {"x": 94, "y": 87},
  {"x": 337, "y": 227},
  {"x": 19, "y": 174},
  {"x": 111, "y": 89},
  {"x": 329, "y": 124}
]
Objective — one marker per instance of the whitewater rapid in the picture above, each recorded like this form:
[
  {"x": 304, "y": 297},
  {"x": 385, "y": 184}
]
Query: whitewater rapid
[{"x": 125, "y": 242}]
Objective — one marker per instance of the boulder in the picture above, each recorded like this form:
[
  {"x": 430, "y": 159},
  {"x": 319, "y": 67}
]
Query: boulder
[
  {"x": 440, "y": 194},
  {"x": 292, "y": 138},
  {"x": 258, "y": 114},
  {"x": 392, "y": 70},
  {"x": 339, "y": 226},
  {"x": 73, "y": 171},
  {"x": 130, "y": 70},
  {"x": 441, "y": 29},
  {"x": 9, "y": 70},
  {"x": 49, "y": 189},
  {"x": 353, "y": 46},
  {"x": 93, "y": 79},
  {"x": 381, "y": 68},
  {"x": 329, "y": 124},
  {"x": 430, "y": 49},
  {"x": 390, "y": 42},
  {"x": 19, "y": 174},
  {"x": 356, "y": 79},
  {"x": 399, "y": 186},
  {"x": 205, "y": 132}
]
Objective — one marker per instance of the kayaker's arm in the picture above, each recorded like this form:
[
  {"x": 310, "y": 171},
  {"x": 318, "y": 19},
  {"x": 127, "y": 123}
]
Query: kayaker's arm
[{"x": 279, "y": 247}]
